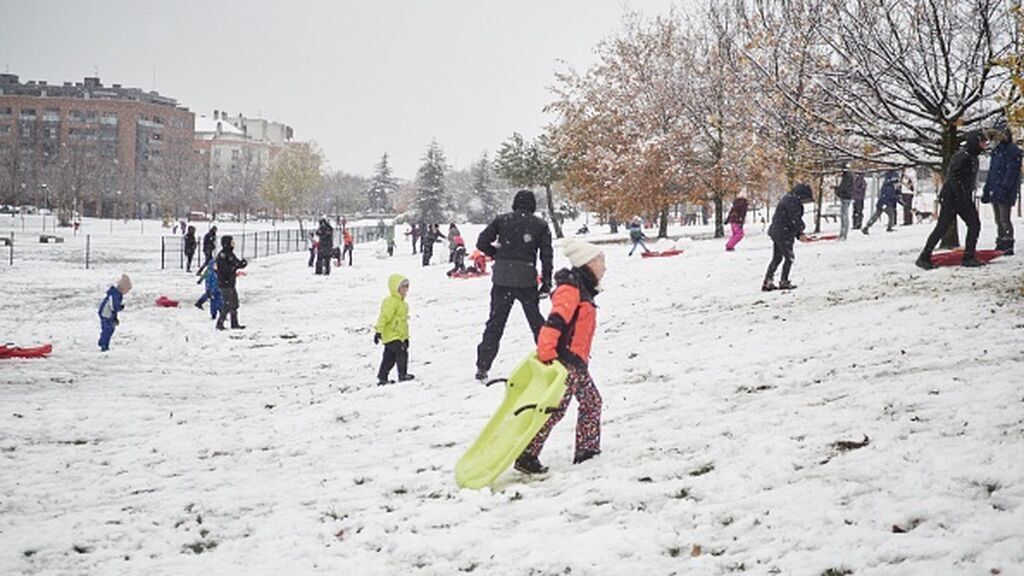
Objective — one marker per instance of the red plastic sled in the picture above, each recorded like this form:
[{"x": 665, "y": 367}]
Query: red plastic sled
[
  {"x": 165, "y": 302},
  {"x": 956, "y": 257},
  {"x": 7, "y": 351},
  {"x": 662, "y": 254},
  {"x": 239, "y": 273},
  {"x": 822, "y": 237}
]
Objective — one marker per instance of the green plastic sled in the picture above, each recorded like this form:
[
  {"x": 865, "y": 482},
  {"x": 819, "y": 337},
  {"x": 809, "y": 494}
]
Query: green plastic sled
[{"x": 532, "y": 392}]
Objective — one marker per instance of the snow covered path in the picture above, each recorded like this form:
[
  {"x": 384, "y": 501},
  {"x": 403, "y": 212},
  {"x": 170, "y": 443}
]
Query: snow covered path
[{"x": 733, "y": 423}]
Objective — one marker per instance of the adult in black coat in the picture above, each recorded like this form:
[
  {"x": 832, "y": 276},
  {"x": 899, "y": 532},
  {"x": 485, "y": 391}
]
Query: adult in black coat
[
  {"x": 227, "y": 265},
  {"x": 787, "y": 226},
  {"x": 210, "y": 243},
  {"x": 326, "y": 247},
  {"x": 190, "y": 247},
  {"x": 957, "y": 199},
  {"x": 514, "y": 240},
  {"x": 1002, "y": 186}
]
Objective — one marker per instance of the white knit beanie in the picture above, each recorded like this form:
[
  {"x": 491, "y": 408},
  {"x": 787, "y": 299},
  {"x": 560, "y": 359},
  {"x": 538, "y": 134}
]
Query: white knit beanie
[{"x": 579, "y": 252}]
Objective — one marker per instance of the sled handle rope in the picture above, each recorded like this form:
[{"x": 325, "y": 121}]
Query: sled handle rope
[
  {"x": 495, "y": 381},
  {"x": 548, "y": 410}
]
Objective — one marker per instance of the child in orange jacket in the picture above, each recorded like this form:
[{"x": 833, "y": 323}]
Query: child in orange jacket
[{"x": 567, "y": 336}]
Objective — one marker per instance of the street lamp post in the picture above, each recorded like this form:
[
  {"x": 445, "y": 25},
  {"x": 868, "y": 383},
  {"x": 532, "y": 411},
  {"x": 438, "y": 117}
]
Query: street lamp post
[{"x": 209, "y": 205}]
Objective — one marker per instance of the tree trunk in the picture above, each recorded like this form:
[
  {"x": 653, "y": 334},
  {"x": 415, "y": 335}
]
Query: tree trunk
[
  {"x": 719, "y": 218},
  {"x": 952, "y": 238},
  {"x": 663, "y": 223},
  {"x": 817, "y": 204},
  {"x": 551, "y": 212}
]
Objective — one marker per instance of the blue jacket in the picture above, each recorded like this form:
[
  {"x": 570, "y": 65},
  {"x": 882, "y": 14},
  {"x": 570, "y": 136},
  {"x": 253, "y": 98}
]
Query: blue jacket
[
  {"x": 210, "y": 276},
  {"x": 111, "y": 305},
  {"x": 1003, "y": 182},
  {"x": 788, "y": 220},
  {"x": 889, "y": 193}
]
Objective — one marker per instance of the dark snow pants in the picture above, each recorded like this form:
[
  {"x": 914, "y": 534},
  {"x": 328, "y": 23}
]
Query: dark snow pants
[
  {"x": 1004, "y": 225},
  {"x": 230, "y": 307},
  {"x": 502, "y": 298},
  {"x": 106, "y": 331},
  {"x": 858, "y": 212},
  {"x": 323, "y": 263},
  {"x": 588, "y": 415},
  {"x": 428, "y": 253},
  {"x": 347, "y": 250},
  {"x": 395, "y": 352},
  {"x": 781, "y": 251},
  {"x": 950, "y": 209}
]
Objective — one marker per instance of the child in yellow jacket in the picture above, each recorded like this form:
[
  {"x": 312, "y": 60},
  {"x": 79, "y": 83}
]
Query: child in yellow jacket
[{"x": 393, "y": 330}]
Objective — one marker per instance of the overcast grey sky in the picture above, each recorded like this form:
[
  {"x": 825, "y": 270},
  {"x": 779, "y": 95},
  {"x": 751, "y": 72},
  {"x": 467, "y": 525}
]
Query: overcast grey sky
[{"x": 359, "y": 78}]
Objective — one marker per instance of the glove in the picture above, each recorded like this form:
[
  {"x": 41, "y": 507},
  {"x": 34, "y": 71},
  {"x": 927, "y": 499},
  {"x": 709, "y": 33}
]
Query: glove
[
  {"x": 376, "y": 338},
  {"x": 117, "y": 322},
  {"x": 985, "y": 197},
  {"x": 544, "y": 291},
  {"x": 243, "y": 263}
]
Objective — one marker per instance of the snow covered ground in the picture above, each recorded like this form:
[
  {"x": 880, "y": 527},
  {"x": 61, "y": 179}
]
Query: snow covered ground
[{"x": 733, "y": 421}]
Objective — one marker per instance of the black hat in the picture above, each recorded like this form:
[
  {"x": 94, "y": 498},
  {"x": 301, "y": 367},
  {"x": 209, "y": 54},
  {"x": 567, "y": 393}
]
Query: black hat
[
  {"x": 525, "y": 201},
  {"x": 803, "y": 192},
  {"x": 225, "y": 242}
]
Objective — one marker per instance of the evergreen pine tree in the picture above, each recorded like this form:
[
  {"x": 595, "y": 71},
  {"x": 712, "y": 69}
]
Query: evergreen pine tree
[
  {"x": 431, "y": 195},
  {"x": 485, "y": 204},
  {"x": 383, "y": 187}
]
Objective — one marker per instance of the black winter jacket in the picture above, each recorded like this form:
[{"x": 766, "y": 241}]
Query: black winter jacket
[
  {"x": 513, "y": 240},
  {"x": 844, "y": 191},
  {"x": 326, "y": 234},
  {"x": 962, "y": 175},
  {"x": 788, "y": 220},
  {"x": 190, "y": 244},
  {"x": 226, "y": 265},
  {"x": 210, "y": 241}
]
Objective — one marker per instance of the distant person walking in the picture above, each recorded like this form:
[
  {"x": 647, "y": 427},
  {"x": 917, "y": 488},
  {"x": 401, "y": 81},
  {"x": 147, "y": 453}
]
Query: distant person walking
[
  {"x": 323, "y": 253},
  {"x": 844, "y": 191},
  {"x": 888, "y": 196},
  {"x": 787, "y": 227},
  {"x": 210, "y": 243},
  {"x": 860, "y": 188},
  {"x": 736, "y": 218},
  {"x": 190, "y": 247}
]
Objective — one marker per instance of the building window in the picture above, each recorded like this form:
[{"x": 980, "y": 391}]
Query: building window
[
  {"x": 51, "y": 115},
  {"x": 5, "y": 112},
  {"x": 28, "y": 113},
  {"x": 51, "y": 132},
  {"x": 156, "y": 136},
  {"x": 26, "y": 130},
  {"x": 5, "y": 128},
  {"x": 108, "y": 119}
]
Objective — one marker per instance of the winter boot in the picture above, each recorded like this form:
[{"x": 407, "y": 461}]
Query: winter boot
[
  {"x": 972, "y": 263},
  {"x": 865, "y": 231},
  {"x": 1008, "y": 247},
  {"x": 384, "y": 382},
  {"x": 582, "y": 457},
  {"x": 220, "y": 326},
  {"x": 786, "y": 285},
  {"x": 924, "y": 263},
  {"x": 768, "y": 285},
  {"x": 406, "y": 377},
  {"x": 198, "y": 305},
  {"x": 529, "y": 464},
  {"x": 481, "y": 374}
]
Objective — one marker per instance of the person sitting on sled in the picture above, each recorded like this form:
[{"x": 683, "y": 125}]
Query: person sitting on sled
[
  {"x": 479, "y": 263},
  {"x": 567, "y": 336},
  {"x": 109, "y": 307}
]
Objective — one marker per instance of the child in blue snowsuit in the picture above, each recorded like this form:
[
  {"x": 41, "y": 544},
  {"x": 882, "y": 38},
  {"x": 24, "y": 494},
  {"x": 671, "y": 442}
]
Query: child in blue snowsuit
[
  {"x": 212, "y": 293},
  {"x": 109, "y": 307}
]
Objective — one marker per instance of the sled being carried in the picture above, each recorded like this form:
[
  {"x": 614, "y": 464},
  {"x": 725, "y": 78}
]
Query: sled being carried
[
  {"x": 532, "y": 393},
  {"x": 956, "y": 257}
]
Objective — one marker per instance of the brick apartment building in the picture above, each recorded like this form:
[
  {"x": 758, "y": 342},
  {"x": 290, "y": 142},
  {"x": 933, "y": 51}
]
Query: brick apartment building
[{"x": 114, "y": 151}]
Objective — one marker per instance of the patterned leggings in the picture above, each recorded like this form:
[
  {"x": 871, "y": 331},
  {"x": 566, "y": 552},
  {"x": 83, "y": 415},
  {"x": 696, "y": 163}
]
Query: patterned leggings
[{"x": 588, "y": 416}]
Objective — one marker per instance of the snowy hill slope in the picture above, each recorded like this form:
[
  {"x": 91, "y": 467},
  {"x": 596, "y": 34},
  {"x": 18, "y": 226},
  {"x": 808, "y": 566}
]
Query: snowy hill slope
[{"x": 871, "y": 421}]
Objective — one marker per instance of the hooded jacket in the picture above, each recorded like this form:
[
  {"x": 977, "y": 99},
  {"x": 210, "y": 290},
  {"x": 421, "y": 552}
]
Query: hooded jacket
[
  {"x": 788, "y": 220},
  {"x": 513, "y": 240},
  {"x": 190, "y": 241},
  {"x": 568, "y": 332},
  {"x": 326, "y": 234},
  {"x": 860, "y": 186},
  {"x": 844, "y": 191},
  {"x": 111, "y": 305},
  {"x": 1003, "y": 182},
  {"x": 393, "y": 322},
  {"x": 738, "y": 212},
  {"x": 889, "y": 193},
  {"x": 227, "y": 264},
  {"x": 210, "y": 241},
  {"x": 962, "y": 175}
]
